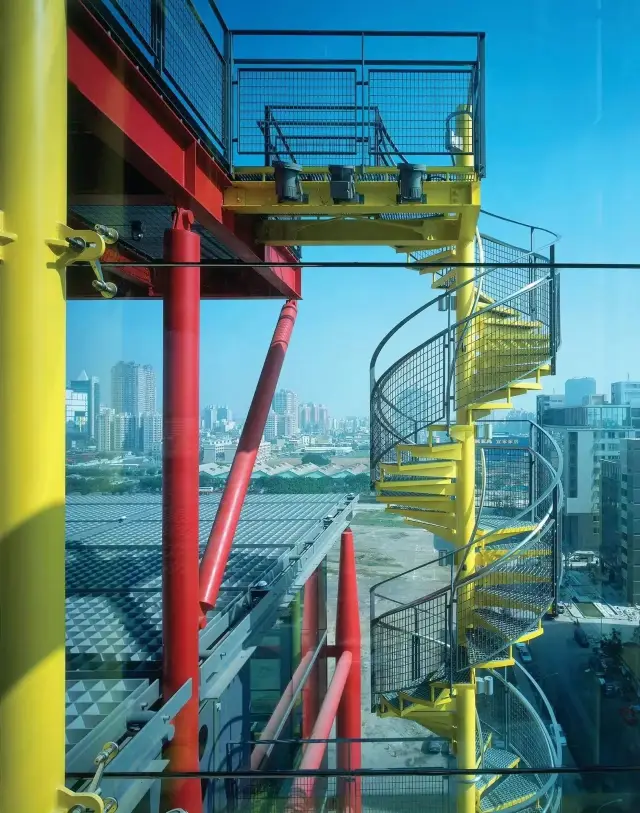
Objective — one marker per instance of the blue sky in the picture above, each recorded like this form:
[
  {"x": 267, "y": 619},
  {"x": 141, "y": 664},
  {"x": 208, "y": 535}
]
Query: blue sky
[{"x": 562, "y": 123}]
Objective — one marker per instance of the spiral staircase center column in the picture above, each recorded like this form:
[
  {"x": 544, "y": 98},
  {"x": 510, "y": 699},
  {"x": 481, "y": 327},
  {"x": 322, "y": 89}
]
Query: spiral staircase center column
[{"x": 465, "y": 485}]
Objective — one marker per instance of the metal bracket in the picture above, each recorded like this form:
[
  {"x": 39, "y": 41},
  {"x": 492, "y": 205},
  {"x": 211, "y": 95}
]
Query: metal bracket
[
  {"x": 86, "y": 245},
  {"x": 5, "y": 236},
  {"x": 68, "y": 800},
  {"x": 107, "y": 753}
]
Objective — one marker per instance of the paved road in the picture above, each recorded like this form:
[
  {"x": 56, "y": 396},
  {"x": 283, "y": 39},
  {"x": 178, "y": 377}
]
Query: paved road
[{"x": 596, "y": 733}]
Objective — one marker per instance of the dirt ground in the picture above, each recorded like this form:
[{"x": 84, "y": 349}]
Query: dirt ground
[{"x": 386, "y": 546}]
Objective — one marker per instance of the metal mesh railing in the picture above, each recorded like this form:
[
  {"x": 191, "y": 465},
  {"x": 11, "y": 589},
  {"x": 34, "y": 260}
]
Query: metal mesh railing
[
  {"x": 413, "y": 108},
  {"x": 138, "y": 13},
  {"x": 408, "y": 644},
  {"x": 196, "y": 66},
  {"x": 173, "y": 42},
  {"x": 517, "y": 730},
  {"x": 294, "y": 114},
  {"x": 410, "y": 396},
  {"x": 509, "y": 336},
  {"x": 504, "y": 601},
  {"x": 310, "y": 109}
]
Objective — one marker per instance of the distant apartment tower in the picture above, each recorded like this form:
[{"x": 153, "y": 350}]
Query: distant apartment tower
[
  {"x": 271, "y": 427},
  {"x": 209, "y": 417},
  {"x": 285, "y": 404},
  {"x": 223, "y": 413},
  {"x": 630, "y": 518},
  {"x": 626, "y": 392},
  {"x": 133, "y": 388},
  {"x": 104, "y": 429},
  {"x": 323, "y": 418},
  {"x": 126, "y": 432},
  {"x": 305, "y": 417},
  {"x": 151, "y": 433},
  {"x": 133, "y": 393},
  {"x": 578, "y": 390},
  {"x": 588, "y": 435}
]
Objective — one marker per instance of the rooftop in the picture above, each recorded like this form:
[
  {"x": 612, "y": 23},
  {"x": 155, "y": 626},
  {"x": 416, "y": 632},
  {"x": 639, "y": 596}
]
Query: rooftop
[{"x": 114, "y": 601}]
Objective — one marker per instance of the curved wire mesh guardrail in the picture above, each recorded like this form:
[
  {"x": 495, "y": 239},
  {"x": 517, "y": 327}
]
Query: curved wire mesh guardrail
[{"x": 420, "y": 390}]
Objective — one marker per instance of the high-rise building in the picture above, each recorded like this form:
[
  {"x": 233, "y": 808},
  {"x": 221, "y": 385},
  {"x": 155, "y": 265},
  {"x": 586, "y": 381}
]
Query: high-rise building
[
  {"x": 223, "y": 413},
  {"x": 133, "y": 393},
  {"x": 578, "y": 390},
  {"x": 305, "y": 417},
  {"x": 271, "y": 427},
  {"x": 133, "y": 388},
  {"x": 104, "y": 429},
  {"x": 626, "y": 392},
  {"x": 76, "y": 417},
  {"x": 629, "y": 512},
  {"x": 125, "y": 436},
  {"x": 285, "y": 404},
  {"x": 209, "y": 417},
  {"x": 151, "y": 432},
  {"x": 90, "y": 386},
  {"x": 588, "y": 435},
  {"x": 323, "y": 418}
]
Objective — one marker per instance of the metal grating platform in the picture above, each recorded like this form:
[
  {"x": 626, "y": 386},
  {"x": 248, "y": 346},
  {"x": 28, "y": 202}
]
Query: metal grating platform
[{"x": 113, "y": 577}]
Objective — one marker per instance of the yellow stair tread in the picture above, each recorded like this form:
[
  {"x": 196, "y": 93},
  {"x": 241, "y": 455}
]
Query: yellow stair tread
[{"x": 446, "y": 451}]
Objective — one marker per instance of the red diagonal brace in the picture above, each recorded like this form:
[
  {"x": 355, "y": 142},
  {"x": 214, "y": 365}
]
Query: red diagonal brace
[{"x": 215, "y": 557}]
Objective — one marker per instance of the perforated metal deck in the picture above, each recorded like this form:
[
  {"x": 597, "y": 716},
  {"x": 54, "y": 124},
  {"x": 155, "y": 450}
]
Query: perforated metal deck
[{"x": 114, "y": 573}]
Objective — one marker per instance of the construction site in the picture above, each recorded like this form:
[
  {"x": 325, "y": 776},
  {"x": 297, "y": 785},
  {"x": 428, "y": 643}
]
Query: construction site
[{"x": 197, "y": 652}]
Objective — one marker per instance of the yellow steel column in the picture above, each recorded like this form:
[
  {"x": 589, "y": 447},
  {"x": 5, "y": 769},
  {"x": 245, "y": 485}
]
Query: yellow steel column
[
  {"x": 33, "y": 182},
  {"x": 465, "y": 493}
]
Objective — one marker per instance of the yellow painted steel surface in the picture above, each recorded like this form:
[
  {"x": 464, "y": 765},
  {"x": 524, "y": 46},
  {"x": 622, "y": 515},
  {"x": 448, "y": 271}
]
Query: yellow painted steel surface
[{"x": 33, "y": 179}]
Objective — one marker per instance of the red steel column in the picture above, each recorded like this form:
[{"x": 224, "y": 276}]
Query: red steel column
[
  {"x": 310, "y": 697},
  {"x": 349, "y": 719},
  {"x": 180, "y": 470},
  {"x": 224, "y": 527},
  {"x": 302, "y": 789}
]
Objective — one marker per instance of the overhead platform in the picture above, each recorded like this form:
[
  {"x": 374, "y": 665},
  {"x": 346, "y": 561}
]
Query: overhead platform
[{"x": 145, "y": 137}]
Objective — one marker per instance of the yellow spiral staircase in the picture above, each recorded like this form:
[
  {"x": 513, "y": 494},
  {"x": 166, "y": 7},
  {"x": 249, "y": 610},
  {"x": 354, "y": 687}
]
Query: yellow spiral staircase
[{"x": 435, "y": 656}]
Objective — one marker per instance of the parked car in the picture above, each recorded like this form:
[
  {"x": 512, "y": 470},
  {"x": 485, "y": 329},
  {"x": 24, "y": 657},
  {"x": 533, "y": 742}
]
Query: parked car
[{"x": 524, "y": 652}]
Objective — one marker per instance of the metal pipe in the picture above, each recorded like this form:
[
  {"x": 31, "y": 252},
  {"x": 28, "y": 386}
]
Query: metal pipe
[
  {"x": 302, "y": 788},
  {"x": 180, "y": 495},
  {"x": 281, "y": 712},
  {"x": 33, "y": 184},
  {"x": 348, "y": 639},
  {"x": 224, "y": 527}
]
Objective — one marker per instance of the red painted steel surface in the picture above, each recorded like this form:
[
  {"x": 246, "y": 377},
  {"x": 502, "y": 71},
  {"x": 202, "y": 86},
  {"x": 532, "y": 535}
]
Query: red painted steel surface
[
  {"x": 224, "y": 527},
  {"x": 280, "y": 714},
  {"x": 348, "y": 639},
  {"x": 300, "y": 798},
  {"x": 180, "y": 469},
  {"x": 161, "y": 145}
]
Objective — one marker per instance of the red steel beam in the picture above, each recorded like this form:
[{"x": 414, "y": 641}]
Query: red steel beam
[
  {"x": 224, "y": 527},
  {"x": 280, "y": 713},
  {"x": 180, "y": 496},
  {"x": 302, "y": 789},
  {"x": 159, "y": 143},
  {"x": 348, "y": 639}
]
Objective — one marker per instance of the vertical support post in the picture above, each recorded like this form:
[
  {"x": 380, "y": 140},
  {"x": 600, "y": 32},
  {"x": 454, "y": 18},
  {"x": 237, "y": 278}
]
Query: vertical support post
[
  {"x": 465, "y": 488},
  {"x": 348, "y": 639},
  {"x": 180, "y": 468},
  {"x": 33, "y": 185},
  {"x": 310, "y": 697}
]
